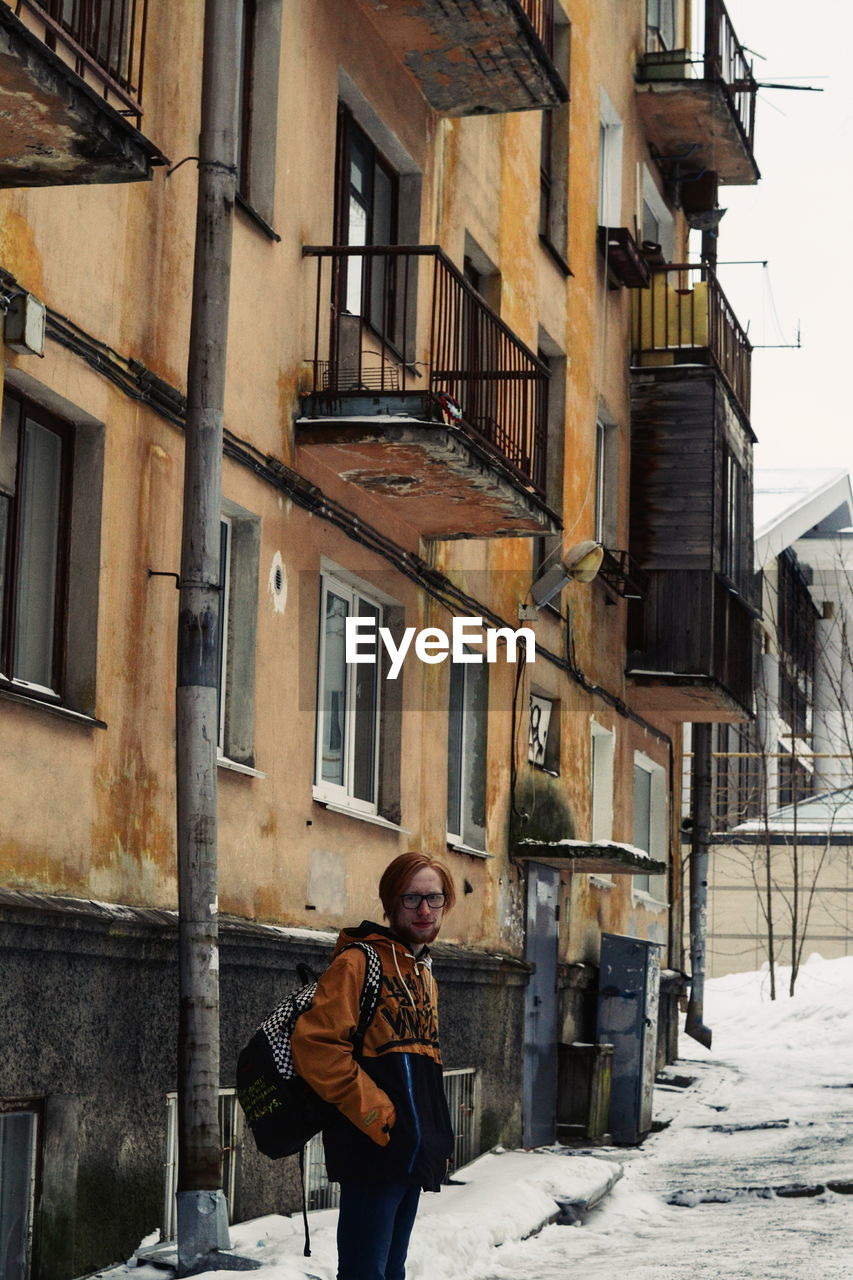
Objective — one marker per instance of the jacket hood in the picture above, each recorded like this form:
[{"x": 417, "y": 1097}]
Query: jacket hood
[{"x": 381, "y": 937}]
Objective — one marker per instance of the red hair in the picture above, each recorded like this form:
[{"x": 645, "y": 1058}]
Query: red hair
[{"x": 398, "y": 873}]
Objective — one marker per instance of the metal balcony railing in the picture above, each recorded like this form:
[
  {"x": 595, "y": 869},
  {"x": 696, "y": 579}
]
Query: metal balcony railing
[
  {"x": 104, "y": 41},
  {"x": 541, "y": 16},
  {"x": 685, "y": 311},
  {"x": 404, "y": 322},
  {"x": 726, "y": 62}
]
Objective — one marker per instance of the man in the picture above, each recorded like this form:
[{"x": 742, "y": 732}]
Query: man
[{"x": 392, "y": 1136}]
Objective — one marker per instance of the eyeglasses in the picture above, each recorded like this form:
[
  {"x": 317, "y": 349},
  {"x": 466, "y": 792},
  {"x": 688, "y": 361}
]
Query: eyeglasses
[{"x": 411, "y": 901}]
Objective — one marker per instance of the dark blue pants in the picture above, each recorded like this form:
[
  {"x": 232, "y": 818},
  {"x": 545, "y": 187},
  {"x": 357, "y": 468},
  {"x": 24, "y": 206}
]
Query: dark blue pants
[{"x": 374, "y": 1226}]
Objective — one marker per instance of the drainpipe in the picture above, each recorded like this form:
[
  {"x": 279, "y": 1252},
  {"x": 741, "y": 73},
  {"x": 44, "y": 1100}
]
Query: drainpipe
[
  {"x": 201, "y": 1207},
  {"x": 701, "y": 795}
]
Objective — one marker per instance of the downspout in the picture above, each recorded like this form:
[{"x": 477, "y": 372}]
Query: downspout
[
  {"x": 701, "y": 797},
  {"x": 201, "y": 1206}
]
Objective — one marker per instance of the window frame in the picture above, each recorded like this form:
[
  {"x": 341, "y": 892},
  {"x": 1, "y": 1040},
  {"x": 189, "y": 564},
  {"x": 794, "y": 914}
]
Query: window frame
[
  {"x": 470, "y": 836},
  {"x": 54, "y": 691},
  {"x": 650, "y": 887},
  {"x": 343, "y": 795},
  {"x": 610, "y": 150},
  {"x": 258, "y": 47}
]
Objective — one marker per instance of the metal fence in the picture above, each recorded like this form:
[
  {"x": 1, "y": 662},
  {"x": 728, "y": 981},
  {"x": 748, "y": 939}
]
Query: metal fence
[
  {"x": 541, "y": 15},
  {"x": 231, "y": 1131},
  {"x": 461, "y": 1086},
  {"x": 404, "y": 320},
  {"x": 104, "y": 40},
  {"x": 726, "y": 63}
]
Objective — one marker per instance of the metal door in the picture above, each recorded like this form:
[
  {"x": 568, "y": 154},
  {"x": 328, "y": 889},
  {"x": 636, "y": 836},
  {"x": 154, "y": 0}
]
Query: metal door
[
  {"x": 539, "y": 1100},
  {"x": 627, "y": 1019}
]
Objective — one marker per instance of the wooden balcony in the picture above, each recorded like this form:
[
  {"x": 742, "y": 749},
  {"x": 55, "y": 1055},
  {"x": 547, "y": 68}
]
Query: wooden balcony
[
  {"x": 691, "y": 648},
  {"x": 423, "y": 396},
  {"x": 475, "y": 57},
  {"x": 699, "y": 113},
  {"x": 684, "y": 318},
  {"x": 690, "y": 637},
  {"x": 71, "y": 75}
]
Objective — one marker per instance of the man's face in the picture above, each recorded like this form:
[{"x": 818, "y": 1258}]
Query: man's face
[{"x": 419, "y": 926}]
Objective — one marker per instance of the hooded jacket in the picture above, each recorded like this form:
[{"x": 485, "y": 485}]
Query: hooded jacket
[{"x": 392, "y": 1120}]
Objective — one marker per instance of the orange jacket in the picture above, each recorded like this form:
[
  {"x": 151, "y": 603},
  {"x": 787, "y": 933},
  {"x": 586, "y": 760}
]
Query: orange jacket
[{"x": 394, "y": 1121}]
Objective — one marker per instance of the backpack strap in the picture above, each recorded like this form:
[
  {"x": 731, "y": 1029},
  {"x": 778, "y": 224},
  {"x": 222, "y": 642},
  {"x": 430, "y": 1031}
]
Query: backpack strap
[{"x": 369, "y": 992}]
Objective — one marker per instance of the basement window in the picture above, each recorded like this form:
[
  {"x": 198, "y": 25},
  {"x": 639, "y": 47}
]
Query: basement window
[{"x": 19, "y": 1142}]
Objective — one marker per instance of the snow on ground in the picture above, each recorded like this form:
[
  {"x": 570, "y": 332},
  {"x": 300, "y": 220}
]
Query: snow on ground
[{"x": 769, "y": 1110}]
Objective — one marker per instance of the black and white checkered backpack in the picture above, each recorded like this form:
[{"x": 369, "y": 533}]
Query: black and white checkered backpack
[{"x": 281, "y": 1109}]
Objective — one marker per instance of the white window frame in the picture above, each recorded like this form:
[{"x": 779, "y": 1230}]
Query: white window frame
[
  {"x": 226, "y": 529},
  {"x": 646, "y": 887},
  {"x": 330, "y": 792},
  {"x": 464, "y": 839},
  {"x": 610, "y": 140},
  {"x": 231, "y": 1137},
  {"x": 650, "y": 195},
  {"x": 238, "y": 580},
  {"x": 602, "y": 758}
]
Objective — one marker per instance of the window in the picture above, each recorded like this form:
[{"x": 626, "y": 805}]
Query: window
[
  {"x": 51, "y": 474},
  {"x": 554, "y": 158},
  {"x": 737, "y": 543},
  {"x": 239, "y": 544},
  {"x": 231, "y": 1135},
  {"x": 650, "y": 821},
  {"x": 660, "y": 25},
  {"x": 348, "y": 704},
  {"x": 35, "y": 480},
  {"x": 367, "y": 214},
  {"x": 658, "y": 222},
  {"x": 603, "y": 751},
  {"x": 258, "y": 52},
  {"x": 466, "y": 754},
  {"x": 547, "y": 549},
  {"x": 19, "y": 1134},
  {"x": 609, "y": 165},
  {"x": 605, "y": 525}
]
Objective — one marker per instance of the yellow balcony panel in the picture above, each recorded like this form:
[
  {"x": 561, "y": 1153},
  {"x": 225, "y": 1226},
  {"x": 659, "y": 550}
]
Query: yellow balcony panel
[{"x": 475, "y": 57}]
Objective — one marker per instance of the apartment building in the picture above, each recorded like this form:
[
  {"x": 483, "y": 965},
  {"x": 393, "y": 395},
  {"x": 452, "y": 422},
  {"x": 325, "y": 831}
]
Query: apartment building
[
  {"x": 780, "y": 878},
  {"x": 465, "y": 340}
]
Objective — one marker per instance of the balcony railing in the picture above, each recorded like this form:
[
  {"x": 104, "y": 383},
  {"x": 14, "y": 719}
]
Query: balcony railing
[
  {"x": 684, "y": 317},
  {"x": 541, "y": 15},
  {"x": 103, "y": 40},
  {"x": 726, "y": 63},
  {"x": 402, "y": 322}
]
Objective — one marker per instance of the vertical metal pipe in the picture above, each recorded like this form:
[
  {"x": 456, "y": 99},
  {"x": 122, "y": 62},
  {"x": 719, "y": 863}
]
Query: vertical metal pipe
[
  {"x": 202, "y": 1220},
  {"x": 701, "y": 797}
]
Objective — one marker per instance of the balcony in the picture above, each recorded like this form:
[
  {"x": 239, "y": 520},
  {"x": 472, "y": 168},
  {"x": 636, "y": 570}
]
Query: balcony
[
  {"x": 684, "y": 318},
  {"x": 71, "y": 75},
  {"x": 690, "y": 636},
  {"x": 476, "y": 57},
  {"x": 699, "y": 114},
  {"x": 421, "y": 395}
]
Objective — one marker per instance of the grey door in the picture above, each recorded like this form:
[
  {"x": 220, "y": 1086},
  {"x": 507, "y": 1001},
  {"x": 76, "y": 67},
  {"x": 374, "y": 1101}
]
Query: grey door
[{"x": 539, "y": 1100}]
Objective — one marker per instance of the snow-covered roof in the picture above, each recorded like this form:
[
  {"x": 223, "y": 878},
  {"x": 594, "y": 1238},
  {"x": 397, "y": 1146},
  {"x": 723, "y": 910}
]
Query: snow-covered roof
[
  {"x": 790, "y": 502},
  {"x": 828, "y": 813}
]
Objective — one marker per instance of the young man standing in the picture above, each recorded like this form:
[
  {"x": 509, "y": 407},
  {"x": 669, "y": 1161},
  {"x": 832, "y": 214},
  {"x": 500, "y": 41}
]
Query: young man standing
[{"x": 392, "y": 1135}]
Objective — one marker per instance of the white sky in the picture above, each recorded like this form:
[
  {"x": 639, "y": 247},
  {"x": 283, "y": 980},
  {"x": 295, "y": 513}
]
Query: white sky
[{"x": 798, "y": 218}]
